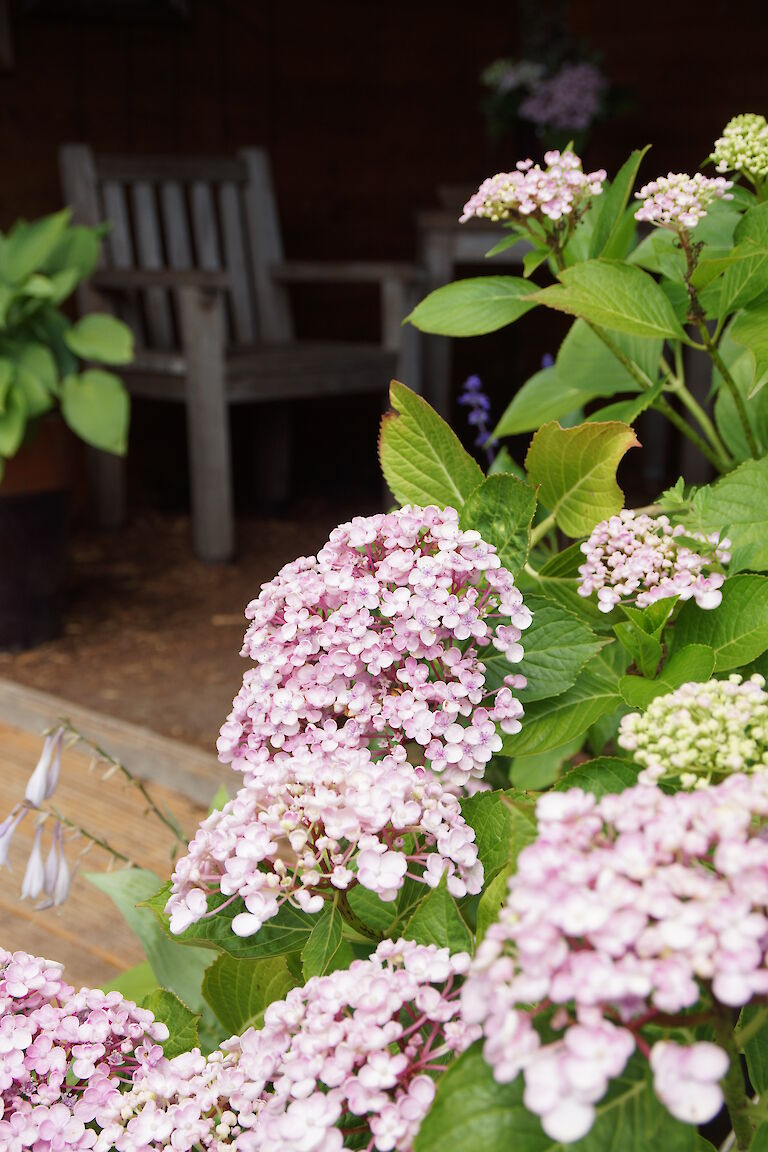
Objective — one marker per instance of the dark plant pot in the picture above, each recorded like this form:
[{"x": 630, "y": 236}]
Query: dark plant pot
[
  {"x": 33, "y": 551},
  {"x": 34, "y": 499}
]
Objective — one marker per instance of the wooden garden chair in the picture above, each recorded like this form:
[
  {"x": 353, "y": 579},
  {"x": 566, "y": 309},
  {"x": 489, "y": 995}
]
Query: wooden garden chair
[{"x": 194, "y": 263}]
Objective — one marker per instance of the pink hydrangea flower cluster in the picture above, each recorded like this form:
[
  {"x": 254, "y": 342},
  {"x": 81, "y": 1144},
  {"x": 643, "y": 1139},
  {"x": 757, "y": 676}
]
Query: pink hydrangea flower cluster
[
  {"x": 349, "y": 1053},
  {"x": 561, "y": 189},
  {"x": 679, "y": 200},
  {"x": 570, "y": 99},
  {"x": 64, "y": 1055},
  {"x": 637, "y": 559},
  {"x": 623, "y": 911},
  {"x": 366, "y": 714}
]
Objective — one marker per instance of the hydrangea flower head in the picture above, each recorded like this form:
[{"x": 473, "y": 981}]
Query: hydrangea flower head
[
  {"x": 625, "y": 910},
  {"x": 568, "y": 100},
  {"x": 678, "y": 200},
  {"x": 64, "y": 1055},
  {"x": 562, "y": 189},
  {"x": 701, "y": 732},
  {"x": 349, "y": 1053},
  {"x": 639, "y": 559},
  {"x": 743, "y": 146},
  {"x": 366, "y": 714}
]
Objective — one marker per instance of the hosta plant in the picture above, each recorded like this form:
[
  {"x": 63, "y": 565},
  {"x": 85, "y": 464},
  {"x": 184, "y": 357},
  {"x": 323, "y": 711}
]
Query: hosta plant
[
  {"x": 493, "y": 868},
  {"x": 46, "y": 361}
]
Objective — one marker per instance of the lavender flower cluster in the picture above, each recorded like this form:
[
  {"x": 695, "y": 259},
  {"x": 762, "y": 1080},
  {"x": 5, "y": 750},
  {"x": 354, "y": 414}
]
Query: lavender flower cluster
[
  {"x": 568, "y": 100},
  {"x": 639, "y": 559},
  {"x": 624, "y": 911},
  {"x": 349, "y": 1053},
  {"x": 478, "y": 402},
  {"x": 366, "y": 715},
  {"x": 559, "y": 190},
  {"x": 700, "y": 732},
  {"x": 64, "y": 1055},
  {"x": 679, "y": 200}
]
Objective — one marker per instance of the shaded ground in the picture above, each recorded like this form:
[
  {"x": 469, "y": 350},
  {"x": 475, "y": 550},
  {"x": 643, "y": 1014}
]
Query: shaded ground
[{"x": 151, "y": 634}]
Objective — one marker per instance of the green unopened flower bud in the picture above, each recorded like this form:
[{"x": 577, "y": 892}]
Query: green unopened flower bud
[
  {"x": 743, "y": 147},
  {"x": 701, "y": 732}
]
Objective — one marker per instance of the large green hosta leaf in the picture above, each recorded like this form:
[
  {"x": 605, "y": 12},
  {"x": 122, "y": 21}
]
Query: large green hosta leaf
[
  {"x": 178, "y": 969},
  {"x": 102, "y": 338},
  {"x": 96, "y": 406}
]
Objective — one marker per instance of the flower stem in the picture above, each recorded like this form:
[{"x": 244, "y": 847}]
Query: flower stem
[
  {"x": 742, "y": 1036},
  {"x": 354, "y": 921},
  {"x": 676, "y": 384},
  {"x": 734, "y": 1087},
  {"x": 106, "y": 847},
  {"x": 732, "y": 387},
  {"x": 696, "y": 316},
  {"x": 540, "y": 531},
  {"x": 661, "y": 403},
  {"x": 165, "y": 818},
  {"x": 689, "y": 401}
]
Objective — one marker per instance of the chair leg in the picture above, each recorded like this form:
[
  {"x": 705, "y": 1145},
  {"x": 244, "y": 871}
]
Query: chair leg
[
  {"x": 202, "y": 327},
  {"x": 397, "y": 300},
  {"x": 275, "y": 451},
  {"x": 107, "y": 473}
]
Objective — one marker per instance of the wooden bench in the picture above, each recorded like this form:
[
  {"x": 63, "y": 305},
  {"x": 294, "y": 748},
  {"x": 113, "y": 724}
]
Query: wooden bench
[{"x": 193, "y": 262}]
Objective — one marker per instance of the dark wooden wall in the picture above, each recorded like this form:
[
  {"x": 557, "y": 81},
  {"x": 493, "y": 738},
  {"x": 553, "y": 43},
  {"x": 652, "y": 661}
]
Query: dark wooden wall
[{"x": 366, "y": 106}]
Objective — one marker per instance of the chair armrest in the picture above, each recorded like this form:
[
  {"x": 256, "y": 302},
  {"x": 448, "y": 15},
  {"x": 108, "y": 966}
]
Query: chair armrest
[
  {"x": 344, "y": 272},
  {"x": 123, "y": 279}
]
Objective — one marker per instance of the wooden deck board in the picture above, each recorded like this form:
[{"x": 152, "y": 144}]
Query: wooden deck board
[{"x": 87, "y": 933}]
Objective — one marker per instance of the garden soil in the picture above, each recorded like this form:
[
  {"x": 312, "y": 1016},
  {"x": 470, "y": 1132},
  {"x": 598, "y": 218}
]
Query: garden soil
[{"x": 153, "y": 635}]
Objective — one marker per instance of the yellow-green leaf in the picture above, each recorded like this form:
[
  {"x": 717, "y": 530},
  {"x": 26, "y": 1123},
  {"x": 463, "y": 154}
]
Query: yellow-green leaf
[
  {"x": 422, "y": 460},
  {"x": 576, "y": 471}
]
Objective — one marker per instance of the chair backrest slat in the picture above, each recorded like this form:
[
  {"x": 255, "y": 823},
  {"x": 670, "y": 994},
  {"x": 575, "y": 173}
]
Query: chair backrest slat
[
  {"x": 119, "y": 247},
  {"x": 237, "y": 263},
  {"x": 204, "y": 227},
  {"x": 149, "y": 249},
  {"x": 266, "y": 248},
  {"x": 188, "y": 212},
  {"x": 173, "y": 208}
]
